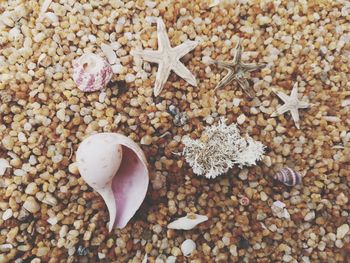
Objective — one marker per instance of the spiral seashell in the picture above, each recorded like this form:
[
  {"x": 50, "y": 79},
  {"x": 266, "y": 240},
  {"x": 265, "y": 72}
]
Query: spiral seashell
[
  {"x": 244, "y": 201},
  {"x": 288, "y": 176},
  {"x": 91, "y": 72}
]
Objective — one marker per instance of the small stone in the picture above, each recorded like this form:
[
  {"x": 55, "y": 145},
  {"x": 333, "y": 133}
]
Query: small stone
[
  {"x": 309, "y": 216},
  {"x": 31, "y": 189},
  {"x": 73, "y": 168},
  {"x": 146, "y": 140},
  {"x": 342, "y": 231},
  {"x": 7, "y": 214},
  {"x": 42, "y": 251},
  {"x": 241, "y": 119},
  {"x": 263, "y": 196},
  {"x": 243, "y": 175},
  {"x": 61, "y": 114},
  {"x": 129, "y": 78},
  {"x": 31, "y": 205}
]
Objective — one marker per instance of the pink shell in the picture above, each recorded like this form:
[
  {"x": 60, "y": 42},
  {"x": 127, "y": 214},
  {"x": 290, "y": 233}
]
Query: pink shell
[
  {"x": 91, "y": 72},
  {"x": 288, "y": 176},
  {"x": 115, "y": 166},
  {"x": 244, "y": 200}
]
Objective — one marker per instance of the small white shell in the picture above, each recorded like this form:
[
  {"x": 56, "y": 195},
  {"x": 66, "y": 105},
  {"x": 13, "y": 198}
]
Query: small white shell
[
  {"x": 109, "y": 53},
  {"x": 187, "y": 247},
  {"x": 187, "y": 222},
  {"x": 4, "y": 164},
  {"x": 145, "y": 259}
]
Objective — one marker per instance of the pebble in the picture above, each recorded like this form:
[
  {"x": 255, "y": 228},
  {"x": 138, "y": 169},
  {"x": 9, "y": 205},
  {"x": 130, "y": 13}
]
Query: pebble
[
  {"x": 31, "y": 205},
  {"x": 342, "y": 231},
  {"x": 309, "y": 216},
  {"x": 187, "y": 247},
  {"x": 7, "y": 214},
  {"x": 31, "y": 189},
  {"x": 241, "y": 119}
]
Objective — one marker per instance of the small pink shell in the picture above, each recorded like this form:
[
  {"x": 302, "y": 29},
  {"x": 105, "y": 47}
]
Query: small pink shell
[
  {"x": 244, "y": 200},
  {"x": 91, "y": 72}
]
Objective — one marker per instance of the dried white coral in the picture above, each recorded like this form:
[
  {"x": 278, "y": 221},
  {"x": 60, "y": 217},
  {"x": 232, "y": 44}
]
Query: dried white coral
[{"x": 219, "y": 149}]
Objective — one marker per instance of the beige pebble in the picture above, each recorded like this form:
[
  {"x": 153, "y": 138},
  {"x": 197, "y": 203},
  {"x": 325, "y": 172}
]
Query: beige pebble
[
  {"x": 31, "y": 205},
  {"x": 32, "y": 189}
]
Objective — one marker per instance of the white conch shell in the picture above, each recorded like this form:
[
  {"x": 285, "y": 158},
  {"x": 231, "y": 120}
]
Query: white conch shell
[
  {"x": 187, "y": 247},
  {"x": 187, "y": 222},
  {"x": 114, "y": 166}
]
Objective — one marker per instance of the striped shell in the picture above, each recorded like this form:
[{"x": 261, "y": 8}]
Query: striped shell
[
  {"x": 288, "y": 176},
  {"x": 91, "y": 72}
]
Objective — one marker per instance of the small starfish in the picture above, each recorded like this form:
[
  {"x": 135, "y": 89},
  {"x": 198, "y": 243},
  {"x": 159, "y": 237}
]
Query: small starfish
[
  {"x": 168, "y": 58},
  {"x": 291, "y": 103},
  {"x": 236, "y": 71}
]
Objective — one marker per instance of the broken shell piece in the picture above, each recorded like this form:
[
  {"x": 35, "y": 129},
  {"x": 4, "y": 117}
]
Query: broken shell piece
[
  {"x": 187, "y": 247},
  {"x": 288, "y": 176},
  {"x": 187, "y": 222},
  {"x": 91, "y": 72},
  {"x": 115, "y": 166},
  {"x": 4, "y": 164},
  {"x": 145, "y": 259},
  {"x": 109, "y": 53}
]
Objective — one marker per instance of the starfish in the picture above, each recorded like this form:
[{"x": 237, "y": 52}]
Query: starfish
[
  {"x": 291, "y": 103},
  {"x": 168, "y": 58},
  {"x": 237, "y": 70}
]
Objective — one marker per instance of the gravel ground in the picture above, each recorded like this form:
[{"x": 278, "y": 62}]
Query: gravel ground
[{"x": 48, "y": 213}]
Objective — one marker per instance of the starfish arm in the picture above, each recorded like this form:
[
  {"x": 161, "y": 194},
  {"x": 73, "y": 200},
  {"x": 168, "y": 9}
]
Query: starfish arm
[
  {"x": 252, "y": 67},
  {"x": 280, "y": 110},
  {"x": 303, "y": 105},
  {"x": 163, "y": 39},
  {"x": 281, "y": 95},
  {"x": 226, "y": 80},
  {"x": 295, "y": 116},
  {"x": 184, "y": 48},
  {"x": 223, "y": 64},
  {"x": 238, "y": 52},
  {"x": 244, "y": 84},
  {"x": 294, "y": 93},
  {"x": 184, "y": 73},
  {"x": 161, "y": 78},
  {"x": 148, "y": 55}
]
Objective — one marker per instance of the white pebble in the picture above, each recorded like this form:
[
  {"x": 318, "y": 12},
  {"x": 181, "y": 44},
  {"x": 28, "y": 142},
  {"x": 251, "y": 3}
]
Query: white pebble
[
  {"x": 310, "y": 216},
  {"x": 102, "y": 97},
  {"x": 7, "y": 214},
  {"x": 342, "y": 231},
  {"x": 19, "y": 172},
  {"x": 187, "y": 247},
  {"x": 117, "y": 68},
  {"x": 52, "y": 221},
  {"x": 39, "y": 37},
  {"x": 129, "y": 78},
  {"x": 22, "y": 137},
  {"x": 236, "y": 102},
  {"x": 241, "y": 119}
]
